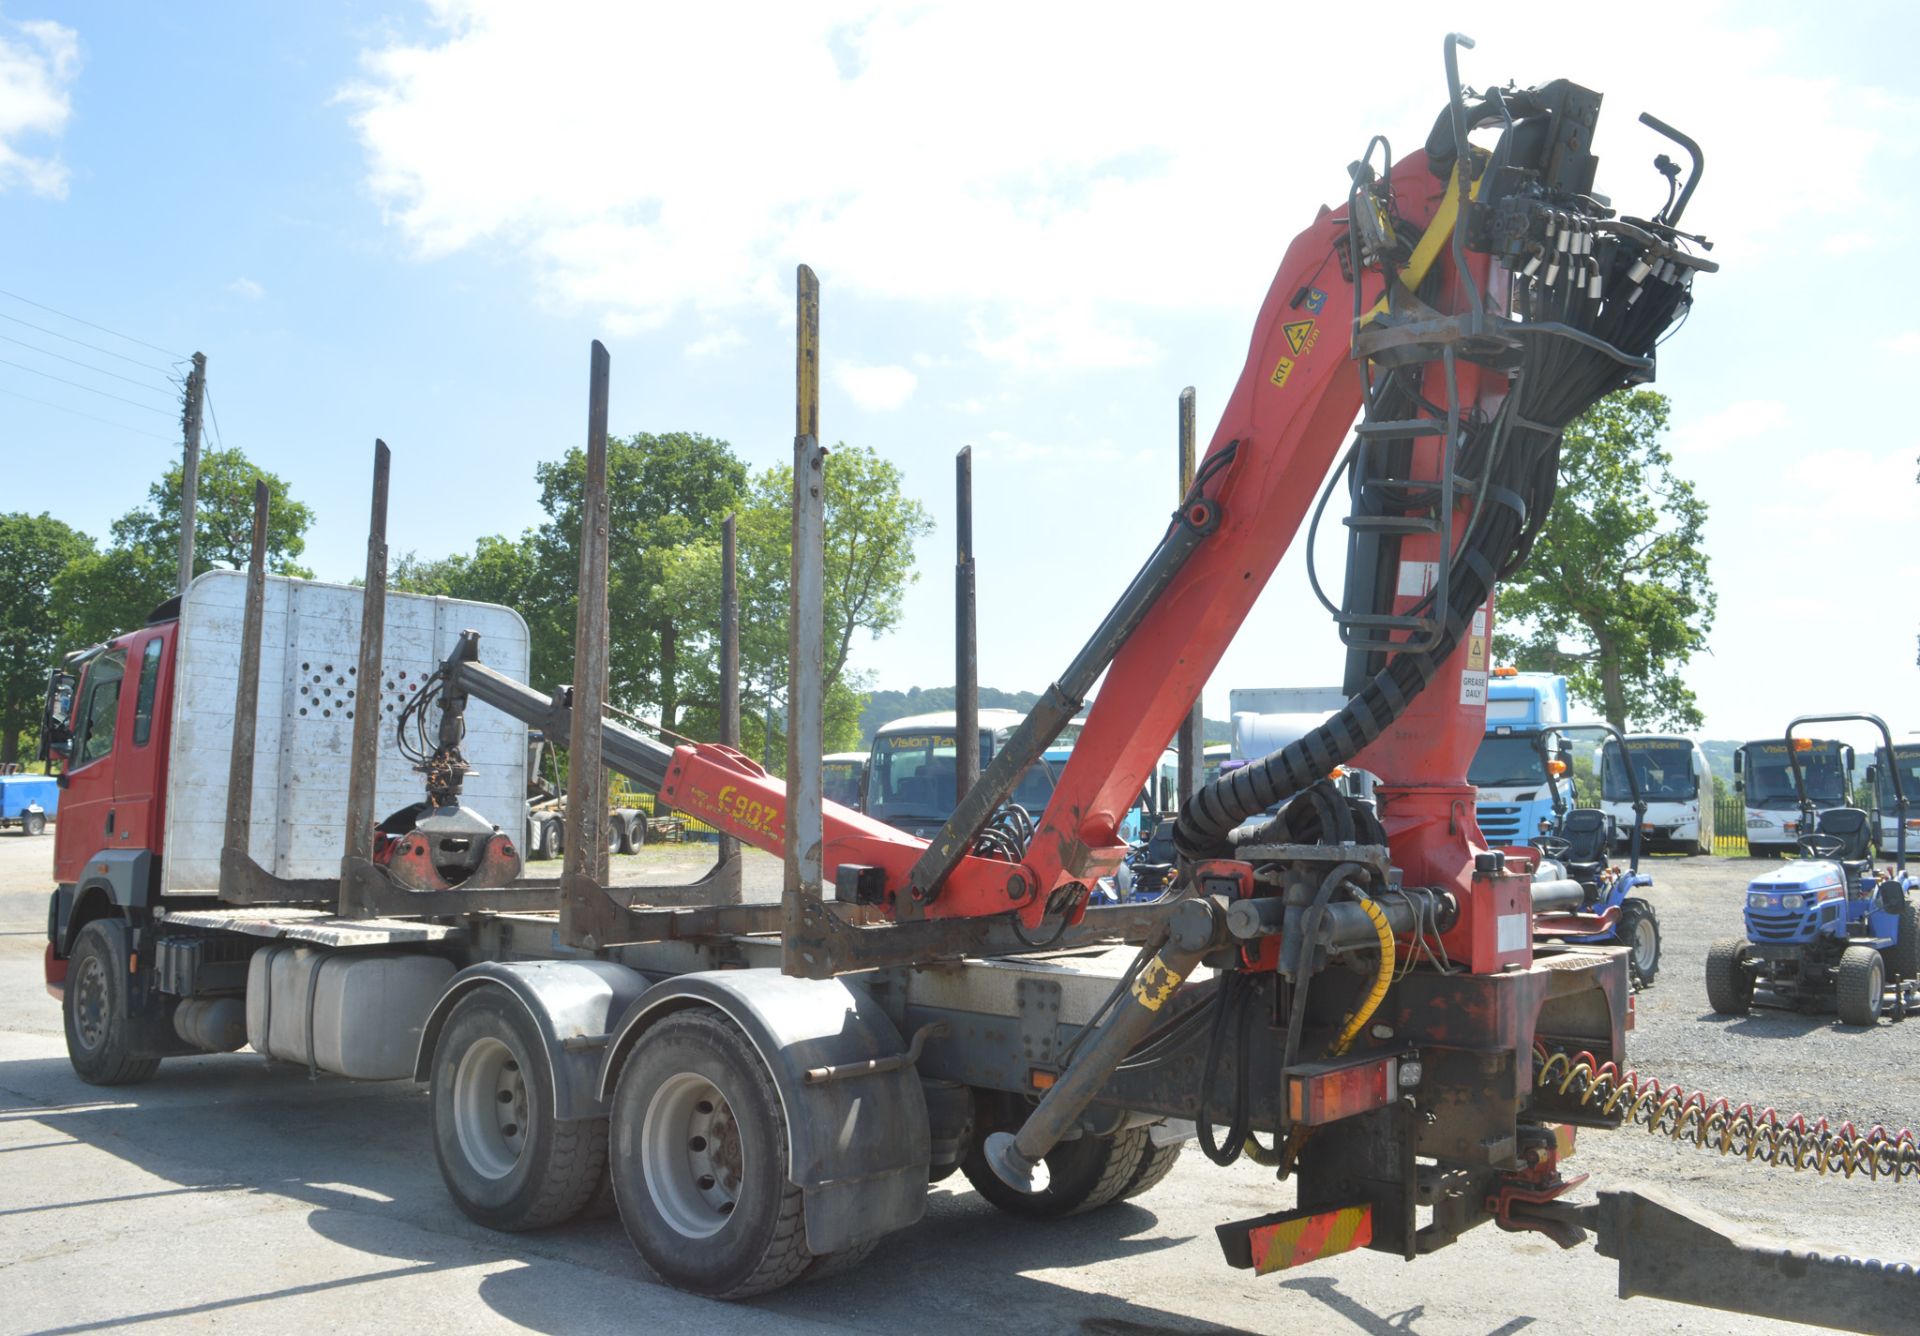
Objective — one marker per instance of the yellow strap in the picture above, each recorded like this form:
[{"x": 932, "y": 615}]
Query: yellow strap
[{"x": 1437, "y": 237}]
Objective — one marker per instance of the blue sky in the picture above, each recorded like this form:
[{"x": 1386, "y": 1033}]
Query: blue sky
[{"x": 1032, "y": 224}]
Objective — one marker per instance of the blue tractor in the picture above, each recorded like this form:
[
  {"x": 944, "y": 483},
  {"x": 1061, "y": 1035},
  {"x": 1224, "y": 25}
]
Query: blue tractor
[
  {"x": 1578, "y": 846},
  {"x": 1827, "y": 929}
]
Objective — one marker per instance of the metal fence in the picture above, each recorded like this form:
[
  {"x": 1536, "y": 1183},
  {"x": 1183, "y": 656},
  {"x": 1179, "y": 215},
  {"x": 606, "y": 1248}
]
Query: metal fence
[{"x": 1730, "y": 825}]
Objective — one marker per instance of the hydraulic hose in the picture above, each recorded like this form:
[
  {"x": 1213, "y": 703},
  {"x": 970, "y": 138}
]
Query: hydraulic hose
[{"x": 1381, "y": 978}]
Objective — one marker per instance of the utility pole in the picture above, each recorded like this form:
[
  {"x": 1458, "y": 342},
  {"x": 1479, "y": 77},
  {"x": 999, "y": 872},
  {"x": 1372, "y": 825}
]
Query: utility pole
[
  {"x": 190, "y": 466},
  {"x": 1192, "y": 744}
]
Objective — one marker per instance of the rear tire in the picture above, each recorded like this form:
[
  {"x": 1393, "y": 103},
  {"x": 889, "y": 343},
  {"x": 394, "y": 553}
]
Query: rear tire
[
  {"x": 554, "y": 838},
  {"x": 1860, "y": 988},
  {"x": 699, "y": 1162},
  {"x": 1155, "y": 1164},
  {"x": 1729, "y": 981},
  {"x": 1082, "y": 1175},
  {"x": 1903, "y": 962},
  {"x": 1640, "y": 933},
  {"x": 94, "y": 1007},
  {"x": 508, "y": 1163},
  {"x": 33, "y": 823}
]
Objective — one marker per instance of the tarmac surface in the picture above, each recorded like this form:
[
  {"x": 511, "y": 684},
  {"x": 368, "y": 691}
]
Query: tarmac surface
[{"x": 226, "y": 1194}]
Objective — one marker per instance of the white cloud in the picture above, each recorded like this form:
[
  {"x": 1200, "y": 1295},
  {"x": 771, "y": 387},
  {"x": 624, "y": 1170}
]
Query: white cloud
[
  {"x": 1739, "y": 421},
  {"x": 246, "y": 287},
  {"x": 1907, "y": 343},
  {"x": 653, "y": 161},
  {"x": 715, "y": 342},
  {"x": 876, "y": 388},
  {"x": 1847, "y": 489},
  {"x": 39, "y": 60}
]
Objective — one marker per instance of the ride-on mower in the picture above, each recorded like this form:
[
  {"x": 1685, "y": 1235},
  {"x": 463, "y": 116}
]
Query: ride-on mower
[
  {"x": 1827, "y": 929},
  {"x": 1579, "y": 848}
]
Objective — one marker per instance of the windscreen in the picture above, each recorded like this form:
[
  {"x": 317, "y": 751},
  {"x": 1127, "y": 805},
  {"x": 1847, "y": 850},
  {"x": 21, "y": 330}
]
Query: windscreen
[
  {"x": 1663, "y": 767},
  {"x": 911, "y": 774},
  {"x": 1906, "y": 756},
  {"x": 840, "y": 782},
  {"x": 1770, "y": 774},
  {"x": 1503, "y": 762}
]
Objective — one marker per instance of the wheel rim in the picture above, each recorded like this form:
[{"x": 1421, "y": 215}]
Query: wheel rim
[
  {"x": 1876, "y": 989},
  {"x": 1646, "y": 946},
  {"x": 490, "y": 1108},
  {"x": 691, "y": 1155},
  {"x": 613, "y": 838},
  {"x": 90, "y": 1003}
]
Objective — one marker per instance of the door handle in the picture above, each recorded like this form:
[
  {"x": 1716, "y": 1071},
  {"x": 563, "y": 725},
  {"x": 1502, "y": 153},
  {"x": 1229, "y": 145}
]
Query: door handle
[{"x": 109, "y": 821}]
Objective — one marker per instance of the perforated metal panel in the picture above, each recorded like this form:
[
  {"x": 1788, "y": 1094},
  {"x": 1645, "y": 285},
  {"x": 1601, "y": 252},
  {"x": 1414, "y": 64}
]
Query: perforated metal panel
[{"x": 309, "y": 694}]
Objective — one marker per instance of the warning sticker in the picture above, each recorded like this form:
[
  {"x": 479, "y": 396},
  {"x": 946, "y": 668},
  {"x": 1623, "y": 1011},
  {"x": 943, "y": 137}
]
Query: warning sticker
[
  {"x": 1281, "y": 372},
  {"x": 1301, "y": 336},
  {"x": 1477, "y": 640},
  {"x": 1473, "y": 689},
  {"x": 1315, "y": 299},
  {"x": 1417, "y": 578}
]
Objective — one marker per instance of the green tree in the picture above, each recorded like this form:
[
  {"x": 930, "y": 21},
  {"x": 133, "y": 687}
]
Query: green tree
[
  {"x": 872, "y": 526},
  {"x": 663, "y": 492},
  {"x": 104, "y": 593},
  {"x": 34, "y": 549},
  {"x": 1616, "y": 592}
]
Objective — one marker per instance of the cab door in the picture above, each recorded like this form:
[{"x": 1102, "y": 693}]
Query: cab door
[
  {"x": 86, "y": 824},
  {"x": 138, "y": 788}
]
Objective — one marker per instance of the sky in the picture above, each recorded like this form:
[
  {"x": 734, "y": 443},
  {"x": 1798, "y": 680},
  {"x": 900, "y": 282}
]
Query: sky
[{"x": 1033, "y": 224}]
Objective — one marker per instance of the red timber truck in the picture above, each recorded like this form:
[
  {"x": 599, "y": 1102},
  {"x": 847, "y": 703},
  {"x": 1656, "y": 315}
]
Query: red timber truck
[{"x": 1350, "y": 993}]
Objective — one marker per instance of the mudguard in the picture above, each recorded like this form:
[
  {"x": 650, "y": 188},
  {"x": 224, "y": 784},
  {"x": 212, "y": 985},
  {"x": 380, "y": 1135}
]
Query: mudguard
[
  {"x": 858, "y": 1145},
  {"x": 576, "y": 1000}
]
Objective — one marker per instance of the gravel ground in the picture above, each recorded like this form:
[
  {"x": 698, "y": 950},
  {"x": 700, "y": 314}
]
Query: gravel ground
[{"x": 230, "y": 1194}]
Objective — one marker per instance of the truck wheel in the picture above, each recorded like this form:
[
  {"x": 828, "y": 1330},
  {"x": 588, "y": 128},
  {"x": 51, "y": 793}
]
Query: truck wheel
[
  {"x": 33, "y": 823},
  {"x": 538, "y": 848},
  {"x": 699, "y": 1159},
  {"x": 1155, "y": 1164},
  {"x": 613, "y": 834},
  {"x": 555, "y": 840},
  {"x": 1903, "y": 962},
  {"x": 622, "y": 835},
  {"x": 637, "y": 832},
  {"x": 1729, "y": 981},
  {"x": 1860, "y": 986},
  {"x": 1640, "y": 934},
  {"x": 507, "y": 1161},
  {"x": 1082, "y": 1175},
  {"x": 99, "y": 1042}
]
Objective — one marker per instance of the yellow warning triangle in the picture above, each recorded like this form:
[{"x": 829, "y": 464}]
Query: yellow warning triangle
[{"x": 1297, "y": 334}]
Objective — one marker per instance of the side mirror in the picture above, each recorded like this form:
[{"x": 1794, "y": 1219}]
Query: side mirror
[
  {"x": 1873, "y": 774},
  {"x": 1739, "y": 785}
]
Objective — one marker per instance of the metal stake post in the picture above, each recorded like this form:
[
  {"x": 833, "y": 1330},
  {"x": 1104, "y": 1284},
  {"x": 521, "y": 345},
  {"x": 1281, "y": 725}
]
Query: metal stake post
[
  {"x": 1192, "y": 738},
  {"x": 585, "y": 869},
  {"x": 803, "y": 911},
  {"x": 246, "y": 695},
  {"x": 728, "y": 870},
  {"x": 363, "y": 763},
  {"x": 966, "y": 654},
  {"x": 190, "y": 466}
]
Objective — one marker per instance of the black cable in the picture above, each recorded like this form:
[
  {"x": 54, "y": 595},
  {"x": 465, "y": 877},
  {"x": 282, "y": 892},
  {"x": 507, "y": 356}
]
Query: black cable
[
  {"x": 90, "y": 325},
  {"x": 165, "y": 371}
]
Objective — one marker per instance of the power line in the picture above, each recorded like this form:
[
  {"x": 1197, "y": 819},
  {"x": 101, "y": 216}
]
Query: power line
[
  {"x": 48, "y": 352},
  {"x": 62, "y": 408},
  {"x": 89, "y": 324},
  {"x": 90, "y": 389},
  {"x": 219, "y": 441},
  {"x": 163, "y": 370}
]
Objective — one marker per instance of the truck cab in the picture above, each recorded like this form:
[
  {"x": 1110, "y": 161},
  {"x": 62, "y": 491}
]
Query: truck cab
[
  {"x": 1510, "y": 768},
  {"x": 1676, "y": 784},
  {"x": 1763, "y": 775}
]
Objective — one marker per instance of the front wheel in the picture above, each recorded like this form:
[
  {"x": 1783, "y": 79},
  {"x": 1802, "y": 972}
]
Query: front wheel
[
  {"x": 1729, "y": 981},
  {"x": 1861, "y": 986},
  {"x": 1640, "y": 932},
  {"x": 699, "y": 1162},
  {"x": 94, "y": 1006},
  {"x": 507, "y": 1161}
]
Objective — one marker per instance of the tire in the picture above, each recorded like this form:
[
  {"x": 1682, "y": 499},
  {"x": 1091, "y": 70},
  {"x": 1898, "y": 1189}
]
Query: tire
[
  {"x": 624, "y": 826},
  {"x": 1860, "y": 986},
  {"x": 1156, "y": 1162},
  {"x": 508, "y": 1163},
  {"x": 1640, "y": 934},
  {"x": 539, "y": 848},
  {"x": 33, "y": 823},
  {"x": 637, "y": 833},
  {"x": 698, "y": 1152},
  {"x": 94, "y": 1007},
  {"x": 1903, "y": 962},
  {"x": 553, "y": 837},
  {"x": 1082, "y": 1175},
  {"x": 616, "y": 841},
  {"x": 1729, "y": 981}
]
